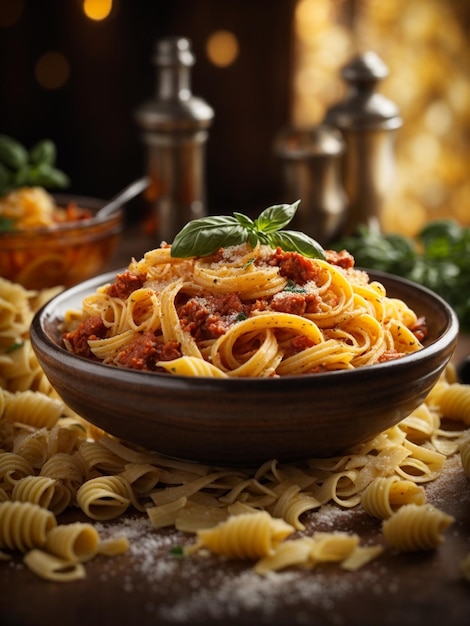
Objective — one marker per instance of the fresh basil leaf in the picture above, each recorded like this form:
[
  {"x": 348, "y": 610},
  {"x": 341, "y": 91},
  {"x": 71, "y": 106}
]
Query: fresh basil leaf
[
  {"x": 244, "y": 220},
  {"x": 295, "y": 241},
  {"x": 206, "y": 235},
  {"x": 276, "y": 217},
  {"x": 442, "y": 230},
  {"x": 253, "y": 238}
]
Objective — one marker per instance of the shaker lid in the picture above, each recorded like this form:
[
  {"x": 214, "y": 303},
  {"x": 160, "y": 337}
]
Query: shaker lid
[
  {"x": 173, "y": 51},
  {"x": 311, "y": 142},
  {"x": 363, "y": 108}
]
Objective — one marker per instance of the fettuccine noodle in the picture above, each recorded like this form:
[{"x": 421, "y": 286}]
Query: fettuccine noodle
[{"x": 242, "y": 312}]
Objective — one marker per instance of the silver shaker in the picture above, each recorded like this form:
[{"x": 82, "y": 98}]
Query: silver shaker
[
  {"x": 311, "y": 172},
  {"x": 368, "y": 121},
  {"x": 174, "y": 128}
]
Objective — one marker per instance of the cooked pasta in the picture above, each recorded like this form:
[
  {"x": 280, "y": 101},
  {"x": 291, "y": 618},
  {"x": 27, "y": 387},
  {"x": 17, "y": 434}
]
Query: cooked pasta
[
  {"x": 242, "y": 312},
  {"x": 415, "y": 527}
]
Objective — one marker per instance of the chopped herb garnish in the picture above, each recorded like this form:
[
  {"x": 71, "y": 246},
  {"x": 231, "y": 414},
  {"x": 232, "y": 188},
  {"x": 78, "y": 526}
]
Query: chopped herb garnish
[
  {"x": 14, "y": 346},
  {"x": 248, "y": 263},
  {"x": 294, "y": 288},
  {"x": 178, "y": 552},
  {"x": 241, "y": 316}
]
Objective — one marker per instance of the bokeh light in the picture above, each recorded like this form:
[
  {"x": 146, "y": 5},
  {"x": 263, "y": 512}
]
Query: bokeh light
[
  {"x": 97, "y": 9},
  {"x": 427, "y": 52},
  {"x": 222, "y": 48},
  {"x": 52, "y": 70},
  {"x": 10, "y": 12}
]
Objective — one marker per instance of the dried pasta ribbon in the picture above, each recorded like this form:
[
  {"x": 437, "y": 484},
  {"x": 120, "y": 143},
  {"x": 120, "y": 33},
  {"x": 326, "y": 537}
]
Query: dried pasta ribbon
[
  {"x": 289, "y": 553},
  {"x": 33, "y": 446},
  {"x": 51, "y": 567},
  {"x": 13, "y": 467},
  {"x": 332, "y": 547},
  {"x": 96, "y": 456},
  {"x": 386, "y": 494},
  {"x": 246, "y": 536},
  {"x": 76, "y": 542},
  {"x": 455, "y": 402},
  {"x": 113, "y": 546},
  {"x": 42, "y": 490},
  {"x": 415, "y": 527},
  {"x": 24, "y": 525},
  {"x": 33, "y": 408},
  {"x": 142, "y": 477},
  {"x": 66, "y": 469},
  {"x": 465, "y": 567},
  {"x": 104, "y": 497},
  {"x": 465, "y": 456}
]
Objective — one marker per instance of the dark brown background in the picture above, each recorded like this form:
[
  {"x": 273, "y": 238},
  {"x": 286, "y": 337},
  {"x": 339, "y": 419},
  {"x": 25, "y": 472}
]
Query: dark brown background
[{"x": 91, "y": 117}]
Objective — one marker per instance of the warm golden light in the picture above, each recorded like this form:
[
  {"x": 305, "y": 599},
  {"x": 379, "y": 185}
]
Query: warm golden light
[
  {"x": 52, "y": 70},
  {"x": 425, "y": 47},
  {"x": 222, "y": 48},
  {"x": 97, "y": 9}
]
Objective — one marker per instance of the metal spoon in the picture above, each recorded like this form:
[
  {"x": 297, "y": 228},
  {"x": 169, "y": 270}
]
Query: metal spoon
[{"x": 128, "y": 193}]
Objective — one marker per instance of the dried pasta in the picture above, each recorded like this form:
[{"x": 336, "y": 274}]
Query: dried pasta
[
  {"x": 244, "y": 312},
  {"x": 465, "y": 456},
  {"x": 76, "y": 542},
  {"x": 42, "y": 490},
  {"x": 24, "y": 525},
  {"x": 455, "y": 402},
  {"x": 385, "y": 494},
  {"x": 49, "y": 450},
  {"x": 415, "y": 527},
  {"x": 51, "y": 567},
  {"x": 104, "y": 497},
  {"x": 244, "y": 536}
]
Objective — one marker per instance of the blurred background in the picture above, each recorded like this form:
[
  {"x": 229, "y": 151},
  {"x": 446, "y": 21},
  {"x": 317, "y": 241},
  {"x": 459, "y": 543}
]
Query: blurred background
[{"x": 75, "y": 71}]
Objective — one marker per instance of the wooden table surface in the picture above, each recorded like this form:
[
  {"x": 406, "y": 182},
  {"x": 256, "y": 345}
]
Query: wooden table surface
[{"x": 149, "y": 586}]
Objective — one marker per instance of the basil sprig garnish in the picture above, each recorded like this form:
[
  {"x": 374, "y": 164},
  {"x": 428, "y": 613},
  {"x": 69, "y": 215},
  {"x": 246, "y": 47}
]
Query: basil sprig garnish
[{"x": 204, "y": 236}]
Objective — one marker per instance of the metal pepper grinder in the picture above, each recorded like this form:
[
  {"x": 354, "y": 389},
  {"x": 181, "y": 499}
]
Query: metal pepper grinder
[
  {"x": 175, "y": 130},
  {"x": 368, "y": 122},
  {"x": 311, "y": 173}
]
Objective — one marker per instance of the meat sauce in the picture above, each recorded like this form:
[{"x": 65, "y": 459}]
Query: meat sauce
[{"x": 208, "y": 316}]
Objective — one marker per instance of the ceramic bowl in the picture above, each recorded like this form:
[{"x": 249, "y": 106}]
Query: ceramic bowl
[
  {"x": 65, "y": 255},
  {"x": 244, "y": 422}
]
